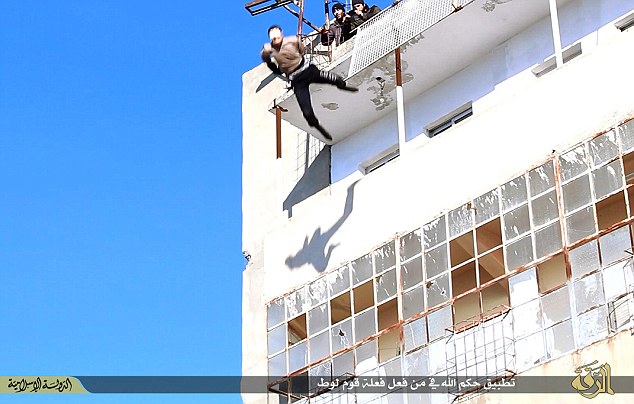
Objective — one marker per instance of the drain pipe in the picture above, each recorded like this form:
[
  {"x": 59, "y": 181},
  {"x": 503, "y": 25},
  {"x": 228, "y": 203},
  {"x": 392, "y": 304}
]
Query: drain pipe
[
  {"x": 554, "y": 21},
  {"x": 400, "y": 109}
]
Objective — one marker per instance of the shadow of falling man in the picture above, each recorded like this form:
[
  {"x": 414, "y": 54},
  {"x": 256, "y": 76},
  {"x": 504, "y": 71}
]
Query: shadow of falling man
[{"x": 317, "y": 250}]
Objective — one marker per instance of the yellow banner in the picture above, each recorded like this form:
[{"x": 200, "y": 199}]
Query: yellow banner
[{"x": 40, "y": 385}]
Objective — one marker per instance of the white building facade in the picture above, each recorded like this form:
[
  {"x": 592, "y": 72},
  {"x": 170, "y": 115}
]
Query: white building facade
[{"x": 492, "y": 238}]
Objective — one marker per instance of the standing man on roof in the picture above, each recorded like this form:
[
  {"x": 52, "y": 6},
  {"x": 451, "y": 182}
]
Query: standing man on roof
[
  {"x": 288, "y": 53},
  {"x": 360, "y": 13},
  {"x": 339, "y": 31}
]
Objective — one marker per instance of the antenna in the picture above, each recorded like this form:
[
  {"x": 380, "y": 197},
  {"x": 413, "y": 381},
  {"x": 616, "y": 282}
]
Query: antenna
[{"x": 261, "y": 6}]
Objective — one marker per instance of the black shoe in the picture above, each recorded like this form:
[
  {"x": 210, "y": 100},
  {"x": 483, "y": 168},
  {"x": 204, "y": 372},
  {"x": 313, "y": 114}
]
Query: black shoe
[{"x": 341, "y": 84}]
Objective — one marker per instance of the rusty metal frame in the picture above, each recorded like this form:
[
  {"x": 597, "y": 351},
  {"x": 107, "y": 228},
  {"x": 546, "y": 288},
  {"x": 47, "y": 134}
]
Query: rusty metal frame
[{"x": 565, "y": 250}]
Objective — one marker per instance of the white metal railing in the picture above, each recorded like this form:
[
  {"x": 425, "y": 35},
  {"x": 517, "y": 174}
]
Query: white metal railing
[{"x": 395, "y": 26}]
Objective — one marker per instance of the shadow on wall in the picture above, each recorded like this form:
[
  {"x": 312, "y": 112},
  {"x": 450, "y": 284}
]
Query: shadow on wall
[
  {"x": 315, "y": 178},
  {"x": 317, "y": 250}
]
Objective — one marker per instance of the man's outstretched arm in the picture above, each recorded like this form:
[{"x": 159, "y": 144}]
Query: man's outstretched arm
[{"x": 266, "y": 58}]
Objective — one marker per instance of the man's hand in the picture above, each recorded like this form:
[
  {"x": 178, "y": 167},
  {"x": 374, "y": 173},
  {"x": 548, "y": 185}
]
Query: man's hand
[{"x": 274, "y": 68}]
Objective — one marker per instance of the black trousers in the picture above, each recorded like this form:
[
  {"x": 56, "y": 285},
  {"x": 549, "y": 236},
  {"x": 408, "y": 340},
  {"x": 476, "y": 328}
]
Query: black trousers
[{"x": 301, "y": 83}]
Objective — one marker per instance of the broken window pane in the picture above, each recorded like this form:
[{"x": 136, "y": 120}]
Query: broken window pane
[
  {"x": 364, "y": 325},
  {"x": 436, "y": 261},
  {"x": 438, "y": 290},
  {"x": 560, "y": 339},
  {"x": 614, "y": 245},
  {"x": 319, "y": 346},
  {"x": 548, "y": 240},
  {"x": 343, "y": 364},
  {"x": 592, "y": 326},
  {"x": 580, "y": 225},
  {"x": 437, "y": 356},
  {"x": 412, "y": 273},
  {"x": 297, "y": 329},
  {"x": 386, "y": 285},
  {"x": 519, "y": 253},
  {"x": 410, "y": 245},
  {"x": 516, "y": 223},
  {"x": 584, "y": 259},
  {"x": 389, "y": 345},
  {"x": 387, "y": 314},
  {"x": 367, "y": 357},
  {"x": 541, "y": 178},
  {"x": 545, "y": 209},
  {"x": 384, "y": 257},
  {"x": 460, "y": 220},
  {"x": 318, "y": 319},
  {"x": 513, "y": 193},
  {"x": 277, "y": 366},
  {"x": 440, "y": 323},
  {"x": 551, "y": 273},
  {"x": 276, "y": 339},
  {"x": 529, "y": 352},
  {"x": 486, "y": 206},
  {"x": 489, "y": 236},
  {"x": 463, "y": 278},
  {"x": 338, "y": 280},
  {"x": 588, "y": 292},
  {"x": 417, "y": 363},
  {"x": 614, "y": 282},
  {"x": 296, "y": 303},
  {"x": 461, "y": 249},
  {"x": 527, "y": 318},
  {"x": 573, "y": 163},
  {"x": 467, "y": 310},
  {"x": 413, "y": 302},
  {"x": 415, "y": 334},
  {"x": 576, "y": 193},
  {"x": 297, "y": 357},
  {"x": 626, "y": 136},
  {"x": 434, "y": 232},
  {"x": 611, "y": 210},
  {"x": 603, "y": 148},
  {"x": 556, "y": 306},
  {"x": 628, "y": 168},
  {"x": 340, "y": 308},
  {"x": 275, "y": 312},
  {"x": 361, "y": 269},
  {"x": 523, "y": 287},
  {"x": 607, "y": 179},
  {"x": 341, "y": 335},
  {"x": 495, "y": 298},
  {"x": 491, "y": 266},
  {"x": 318, "y": 291},
  {"x": 363, "y": 296}
]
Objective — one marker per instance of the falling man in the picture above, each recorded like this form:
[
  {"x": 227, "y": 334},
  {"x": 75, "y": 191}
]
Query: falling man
[{"x": 288, "y": 52}]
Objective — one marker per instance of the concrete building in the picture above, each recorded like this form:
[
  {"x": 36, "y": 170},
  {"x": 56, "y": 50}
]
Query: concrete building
[{"x": 475, "y": 221}]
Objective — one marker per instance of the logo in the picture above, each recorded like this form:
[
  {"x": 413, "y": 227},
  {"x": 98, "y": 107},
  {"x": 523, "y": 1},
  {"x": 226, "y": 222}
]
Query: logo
[{"x": 594, "y": 382}]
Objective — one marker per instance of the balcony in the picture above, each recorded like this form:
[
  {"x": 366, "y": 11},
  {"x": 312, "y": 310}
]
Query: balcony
[{"x": 453, "y": 35}]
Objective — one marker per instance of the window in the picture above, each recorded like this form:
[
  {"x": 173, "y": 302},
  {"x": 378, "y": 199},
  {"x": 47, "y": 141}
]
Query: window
[
  {"x": 379, "y": 161},
  {"x": 550, "y": 63},
  {"x": 454, "y": 118},
  {"x": 625, "y": 23}
]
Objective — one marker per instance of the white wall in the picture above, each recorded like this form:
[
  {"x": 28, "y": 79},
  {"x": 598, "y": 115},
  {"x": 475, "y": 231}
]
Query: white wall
[{"x": 578, "y": 19}]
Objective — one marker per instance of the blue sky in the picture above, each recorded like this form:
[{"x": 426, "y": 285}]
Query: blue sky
[{"x": 120, "y": 199}]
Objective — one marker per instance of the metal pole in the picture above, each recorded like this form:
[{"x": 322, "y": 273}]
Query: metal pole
[
  {"x": 278, "y": 131},
  {"x": 301, "y": 18},
  {"x": 554, "y": 21},
  {"x": 400, "y": 109}
]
